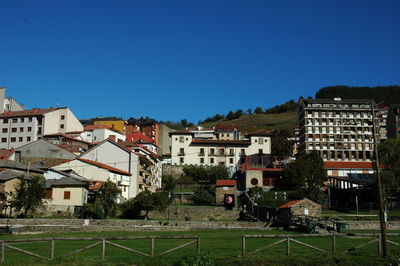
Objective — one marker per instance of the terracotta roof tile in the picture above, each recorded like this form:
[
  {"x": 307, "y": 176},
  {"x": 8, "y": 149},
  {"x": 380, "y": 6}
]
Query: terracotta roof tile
[
  {"x": 290, "y": 203},
  {"x": 348, "y": 165},
  {"x": 225, "y": 183},
  {"x": 138, "y": 137},
  {"x": 104, "y": 166},
  {"x": 32, "y": 112}
]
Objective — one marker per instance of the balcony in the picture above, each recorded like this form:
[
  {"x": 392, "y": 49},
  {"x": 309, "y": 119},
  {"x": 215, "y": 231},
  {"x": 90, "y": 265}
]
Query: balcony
[
  {"x": 181, "y": 153},
  {"x": 202, "y": 153}
]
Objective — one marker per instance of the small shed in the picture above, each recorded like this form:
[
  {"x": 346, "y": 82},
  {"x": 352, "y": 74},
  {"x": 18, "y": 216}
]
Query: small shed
[
  {"x": 223, "y": 189},
  {"x": 298, "y": 210}
]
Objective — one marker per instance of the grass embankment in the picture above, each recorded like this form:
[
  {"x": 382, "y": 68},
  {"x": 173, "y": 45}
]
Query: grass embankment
[
  {"x": 254, "y": 122},
  {"x": 224, "y": 247}
]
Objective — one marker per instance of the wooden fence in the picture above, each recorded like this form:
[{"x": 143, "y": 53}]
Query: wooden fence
[
  {"x": 290, "y": 238},
  {"x": 195, "y": 240}
]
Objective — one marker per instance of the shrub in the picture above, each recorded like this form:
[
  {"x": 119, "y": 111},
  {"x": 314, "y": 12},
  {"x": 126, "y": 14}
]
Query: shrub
[{"x": 202, "y": 197}]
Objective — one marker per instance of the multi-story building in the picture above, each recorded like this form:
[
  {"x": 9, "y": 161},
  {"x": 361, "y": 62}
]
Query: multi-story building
[
  {"x": 186, "y": 149},
  {"x": 116, "y": 123},
  {"x": 393, "y": 121},
  {"x": 339, "y": 129},
  {"x": 21, "y": 127},
  {"x": 98, "y": 133},
  {"x": 8, "y": 104}
]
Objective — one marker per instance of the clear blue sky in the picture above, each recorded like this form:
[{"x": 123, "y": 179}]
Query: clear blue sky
[{"x": 191, "y": 59}]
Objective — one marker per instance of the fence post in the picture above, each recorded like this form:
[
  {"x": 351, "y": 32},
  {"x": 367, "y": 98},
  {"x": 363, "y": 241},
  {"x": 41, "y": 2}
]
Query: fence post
[
  {"x": 380, "y": 245},
  {"x": 333, "y": 242},
  {"x": 198, "y": 245},
  {"x": 103, "y": 250},
  {"x": 2, "y": 251},
  {"x": 243, "y": 246},
  {"x": 52, "y": 246},
  {"x": 152, "y": 246},
  {"x": 288, "y": 246}
]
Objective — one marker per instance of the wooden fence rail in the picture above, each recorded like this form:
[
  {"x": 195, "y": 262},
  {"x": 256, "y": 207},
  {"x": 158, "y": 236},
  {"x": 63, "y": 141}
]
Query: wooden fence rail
[
  {"x": 99, "y": 241},
  {"x": 291, "y": 238}
]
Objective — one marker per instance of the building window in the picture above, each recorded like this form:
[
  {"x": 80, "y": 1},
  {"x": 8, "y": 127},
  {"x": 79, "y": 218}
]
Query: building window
[
  {"x": 5, "y": 120},
  {"x": 5, "y": 130},
  {"x": 3, "y": 139},
  {"x": 231, "y": 160},
  {"x": 13, "y": 139},
  {"x": 29, "y": 129},
  {"x": 181, "y": 151},
  {"x": 15, "y": 120},
  {"x": 28, "y": 138},
  {"x": 211, "y": 160},
  {"x": 231, "y": 152},
  {"x": 176, "y": 139},
  {"x": 48, "y": 194},
  {"x": 14, "y": 129},
  {"x": 254, "y": 181},
  {"x": 61, "y": 126},
  {"x": 39, "y": 121},
  {"x": 201, "y": 160},
  {"x": 212, "y": 151},
  {"x": 260, "y": 141},
  {"x": 21, "y": 129},
  {"x": 181, "y": 139},
  {"x": 22, "y": 120},
  {"x": 181, "y": 160},
  {"x": 30, "y": 119},
  {"x": 20, "y": 139},
  {"x": 260, "y": 151},
  {"x": 67, "y": 194},
  {"x": 39, "y": 131},
  {"x": 62, "y": 117},
  {"x": 201, "y": 151},
  {"x": 242, "y": 152}
]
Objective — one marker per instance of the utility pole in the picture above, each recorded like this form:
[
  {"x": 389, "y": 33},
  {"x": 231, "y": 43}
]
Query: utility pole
[{"x": 382, "y": 213}]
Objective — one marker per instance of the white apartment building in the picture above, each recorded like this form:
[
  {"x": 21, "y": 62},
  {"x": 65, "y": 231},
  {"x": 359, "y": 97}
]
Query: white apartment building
[
  {"x": 340, "y": 130},
  {"x": 8, "y": 104},
  {"x": 18, "y": 128},
  {"x": 98, "y": 133},
  {"x": 186, "y": 149}
]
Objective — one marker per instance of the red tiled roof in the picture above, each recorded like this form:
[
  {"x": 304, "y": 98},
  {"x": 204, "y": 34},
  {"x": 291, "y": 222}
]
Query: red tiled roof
[
  {"x": 99, "y": 126},
  {"x": 218, "y": 141},
  {"x": 290, "y": 203},
  {"x": 181, "y": 132},
  {"x": 226, "y": 127},
  {"x": 32, "y": 112},
  {"x": 225, "y": 183},
  {"x": 348, "y": 165},
  {"x": 96, "y": 185},
  {"x": 104, "y": 166},
  {"x": 6, "y": 153},
  {"x": 138, "y": 137},
  {"x": 261, "y": 133}
]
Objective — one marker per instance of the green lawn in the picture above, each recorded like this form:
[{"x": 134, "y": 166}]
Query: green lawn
[{"x": 222, "y": 246}]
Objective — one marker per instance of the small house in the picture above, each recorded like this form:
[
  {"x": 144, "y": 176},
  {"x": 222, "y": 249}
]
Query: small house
[
  {"x": 225, "y": 191},
  {"x": 298, "y": 209}
]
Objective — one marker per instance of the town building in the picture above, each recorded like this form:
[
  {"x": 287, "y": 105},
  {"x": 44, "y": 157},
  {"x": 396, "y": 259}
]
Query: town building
[
  {"x": 220, "y": 150},
  {"x": 338, "y": 129},
  {"x": 116, "y": 123},
  {"x": 98, "y": 133},
  {"x": 8, "y": 104},
  {"x": 393, "y": 121},
  {"x": 18, "y": 128}
]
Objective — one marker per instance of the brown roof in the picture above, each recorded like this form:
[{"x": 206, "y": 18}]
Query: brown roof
[
  {"x": 225, "y": 183},
  {"x": 32, "y": 112},
  {"x": 181, "y": 132},
  {"x": 261, "y": 133},
  {"x": 96, "y": 185},
  {"x": 290, "y": 203},
  {"x": 348, "y": 165},
  {"x": 104, "y": 166},
  {"x": 226, "y": 127},
  {"x": 221, "y": 142}
]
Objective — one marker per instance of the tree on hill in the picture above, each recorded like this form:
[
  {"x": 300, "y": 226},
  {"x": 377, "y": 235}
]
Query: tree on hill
[
  {"x": 258, "y": 110},
  {"x": 387, "y": 94},
  {"x": 389, "y": 154},
  {"x": 306, "y": 175},
  {"x": 206, "y": 174},
  {"x": 289, "y": 106},
  {"x": 281, "y": 146}
]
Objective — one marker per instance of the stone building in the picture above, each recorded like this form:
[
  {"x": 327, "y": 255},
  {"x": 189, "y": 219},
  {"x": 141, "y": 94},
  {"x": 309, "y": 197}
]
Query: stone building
[
  {"x": 224, "y": 188},
  {"x": 298, "y": 208}
]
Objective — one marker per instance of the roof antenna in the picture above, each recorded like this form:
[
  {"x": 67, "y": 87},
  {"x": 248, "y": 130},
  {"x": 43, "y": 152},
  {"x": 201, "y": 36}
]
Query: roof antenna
[{"x": 57, "y": 103}]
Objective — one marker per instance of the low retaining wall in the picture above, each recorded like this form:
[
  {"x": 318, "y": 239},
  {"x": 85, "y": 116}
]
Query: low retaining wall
[
  {"x": 372, "y": 225},
  {"x": 196, "y": 213}
]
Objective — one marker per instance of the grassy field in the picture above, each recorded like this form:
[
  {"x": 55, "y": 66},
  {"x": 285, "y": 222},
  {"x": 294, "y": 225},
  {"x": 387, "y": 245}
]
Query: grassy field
[
  {"x": 224, "y": 247},
  {"x": 256, "y": 122}
]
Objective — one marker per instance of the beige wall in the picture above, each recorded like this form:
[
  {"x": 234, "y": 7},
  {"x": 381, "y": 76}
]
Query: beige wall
[
  {"x": 76, "y": 196},
  {"x": 9, "y": 186},
  {"x": 250, "y": 174}
]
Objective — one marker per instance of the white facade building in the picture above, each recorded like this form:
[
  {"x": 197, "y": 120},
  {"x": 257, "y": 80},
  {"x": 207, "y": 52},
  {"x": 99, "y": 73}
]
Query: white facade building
[
  {"x": 21, "y": 127},
  {"x": 186, "y": 149},
  {"x": 92, "y": 134}
]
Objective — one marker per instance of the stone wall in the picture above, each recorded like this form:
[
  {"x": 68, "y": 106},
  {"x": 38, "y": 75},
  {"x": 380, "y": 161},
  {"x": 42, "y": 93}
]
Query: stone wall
[{"x": 196, "y": 213}]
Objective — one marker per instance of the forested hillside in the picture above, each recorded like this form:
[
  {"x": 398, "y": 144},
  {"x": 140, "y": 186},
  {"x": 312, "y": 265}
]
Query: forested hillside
[{"x": 387, "y": 94}]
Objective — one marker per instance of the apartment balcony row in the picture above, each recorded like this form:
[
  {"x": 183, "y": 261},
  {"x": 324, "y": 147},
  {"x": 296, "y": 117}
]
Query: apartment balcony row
[{"x": 217, "y": 154}]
